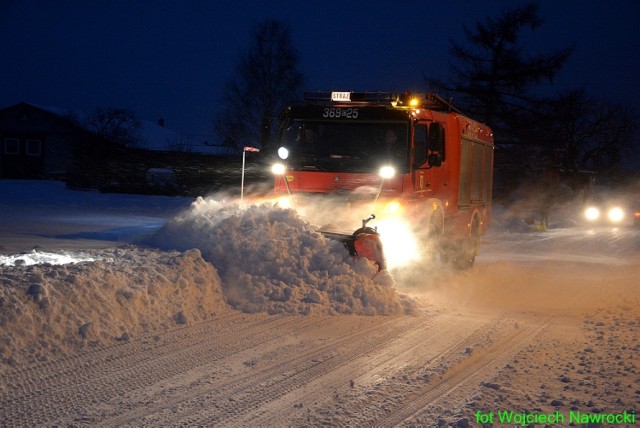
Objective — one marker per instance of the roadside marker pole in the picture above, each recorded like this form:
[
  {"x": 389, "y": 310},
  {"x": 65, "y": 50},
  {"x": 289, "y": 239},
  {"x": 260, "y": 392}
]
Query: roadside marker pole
[{"x": 244, "y": 151}]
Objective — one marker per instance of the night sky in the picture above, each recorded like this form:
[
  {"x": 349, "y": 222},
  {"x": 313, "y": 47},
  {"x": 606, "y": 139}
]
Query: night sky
[{"x": 171, "y": 59}]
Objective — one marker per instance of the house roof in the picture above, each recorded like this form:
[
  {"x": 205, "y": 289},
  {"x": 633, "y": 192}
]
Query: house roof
[{"x": 153, "y": 136}]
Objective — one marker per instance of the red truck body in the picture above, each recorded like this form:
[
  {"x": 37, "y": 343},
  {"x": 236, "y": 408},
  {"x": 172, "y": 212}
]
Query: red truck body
[{"x": 442, "y": 162}]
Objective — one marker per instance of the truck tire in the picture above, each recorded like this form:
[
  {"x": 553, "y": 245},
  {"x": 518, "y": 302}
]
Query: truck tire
[
  {"x": 432, "y": 247},
  {"x": 461, "y": 254}
]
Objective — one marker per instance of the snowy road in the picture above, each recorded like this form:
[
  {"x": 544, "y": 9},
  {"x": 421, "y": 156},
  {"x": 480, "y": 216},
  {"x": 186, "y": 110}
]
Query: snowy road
[
  {"x": 242, "y": 370},
  {"x": 545, "y": 322},
  {"x": 435, "y": 368}
]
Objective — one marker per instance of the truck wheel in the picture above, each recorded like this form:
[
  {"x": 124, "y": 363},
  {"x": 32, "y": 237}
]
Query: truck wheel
[
  {"x": 431, "y": 248},
  {"x": 465, "y": 256},
  {"x": 467, "y": 249},
  {"x": 461, "y": 254}
]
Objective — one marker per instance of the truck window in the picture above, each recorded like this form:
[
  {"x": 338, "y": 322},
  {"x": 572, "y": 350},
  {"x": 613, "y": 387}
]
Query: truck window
[
  {"x": 420, "y": 145},
  {"x": 346, "y": 146}
]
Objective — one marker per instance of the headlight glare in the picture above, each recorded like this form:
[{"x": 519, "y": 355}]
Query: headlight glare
[
  {"x": 592, "y": 213},
  {"x": 615, "y": 214},
  {"x": 278, "y": 169},
  {"x": 387, "y": 172},
  {"x": 283, "y": 153}
]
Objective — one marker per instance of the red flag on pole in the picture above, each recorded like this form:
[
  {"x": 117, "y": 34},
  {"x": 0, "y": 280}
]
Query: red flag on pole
[{"x": 251, "y": 149}]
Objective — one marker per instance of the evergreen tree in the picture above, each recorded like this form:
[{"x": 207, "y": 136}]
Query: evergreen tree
[
  {"x": 493, "y": 77},
  {"x": 587, "y": 133}
]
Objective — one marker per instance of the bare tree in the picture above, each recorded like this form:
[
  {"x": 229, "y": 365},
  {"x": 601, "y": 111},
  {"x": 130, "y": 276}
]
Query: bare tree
[
  {"x": 587, "y": 132},
  {"x": 266, "y": 78},
  {"x": 115, "y": 124}
]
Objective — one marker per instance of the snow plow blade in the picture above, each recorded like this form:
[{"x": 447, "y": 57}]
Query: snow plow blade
[{"x": 364, "y": 242}]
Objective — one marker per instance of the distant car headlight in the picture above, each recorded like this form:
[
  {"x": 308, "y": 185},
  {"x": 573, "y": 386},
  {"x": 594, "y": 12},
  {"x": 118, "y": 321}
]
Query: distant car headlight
[
  {"x": 615, "y": 214},
  {"x": 592, "y": 213}
]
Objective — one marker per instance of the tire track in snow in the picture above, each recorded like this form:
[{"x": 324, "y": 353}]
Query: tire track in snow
[
  {"x": 467, "y": 374},
  {"x": 68, "y": 370},
  {"x": 187, "y": 376},
  {"x": 381, "y": 380},
  {"x": 394, "y": 358},
  {"x": 90, "y": 383},
  {"x": 222, "y": 402}
]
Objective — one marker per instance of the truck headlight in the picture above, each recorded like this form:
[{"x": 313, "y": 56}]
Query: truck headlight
[
  {"x": 387, "y": 172},
  {"x": 283, "y": 153},
  {"x": 278, "y": 169}
]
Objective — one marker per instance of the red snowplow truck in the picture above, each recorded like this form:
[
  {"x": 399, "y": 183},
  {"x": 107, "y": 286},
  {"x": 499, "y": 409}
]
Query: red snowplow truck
[{"x": 411, "y": 158}]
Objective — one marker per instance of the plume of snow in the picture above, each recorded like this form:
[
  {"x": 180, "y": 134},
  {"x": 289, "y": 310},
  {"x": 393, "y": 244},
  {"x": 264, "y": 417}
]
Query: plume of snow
[{"x": 270, "y": 259}]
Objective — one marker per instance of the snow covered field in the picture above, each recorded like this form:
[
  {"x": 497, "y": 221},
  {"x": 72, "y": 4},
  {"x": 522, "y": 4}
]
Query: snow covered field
[{"x": 545, "y": 321}]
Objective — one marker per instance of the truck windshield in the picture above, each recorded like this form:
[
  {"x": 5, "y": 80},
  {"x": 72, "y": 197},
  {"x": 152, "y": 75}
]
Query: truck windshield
[{"x": 346, "y": 147}]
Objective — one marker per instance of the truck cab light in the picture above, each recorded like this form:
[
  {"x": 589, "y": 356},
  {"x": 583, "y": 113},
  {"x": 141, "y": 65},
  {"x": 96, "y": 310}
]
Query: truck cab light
[{"x": 283, "y": 153}]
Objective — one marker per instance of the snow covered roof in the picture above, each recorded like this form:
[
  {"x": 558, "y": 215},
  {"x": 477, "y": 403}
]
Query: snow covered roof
[
  {"x": 153, "y": 136},
  {"x": 156, "y": 137}
]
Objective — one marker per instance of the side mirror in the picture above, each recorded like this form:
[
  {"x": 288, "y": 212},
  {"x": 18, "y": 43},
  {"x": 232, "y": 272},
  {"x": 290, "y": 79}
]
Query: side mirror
[
  {"x": 436, "y": 137},
  {"x": 420, "y": 145},
  {"x": 435, "y": 144}
]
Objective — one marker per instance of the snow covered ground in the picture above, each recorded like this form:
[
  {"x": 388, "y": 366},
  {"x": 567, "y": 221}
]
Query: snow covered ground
[
  {"x": 44, "y": 214},
  {"x": 80, "y": 270}
]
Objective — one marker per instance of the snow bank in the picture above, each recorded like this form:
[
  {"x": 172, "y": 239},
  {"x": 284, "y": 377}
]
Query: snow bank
[
  {"x": 50, "y": 309},
  {"x": 212, "y": 258},
  {"x": 271, "y": 260}
]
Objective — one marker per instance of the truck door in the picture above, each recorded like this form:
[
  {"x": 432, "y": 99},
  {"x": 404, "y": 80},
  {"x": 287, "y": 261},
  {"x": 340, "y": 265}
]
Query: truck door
[
  {"x": 428, "y": 157},
  {"x": 436, "y": 157}
]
